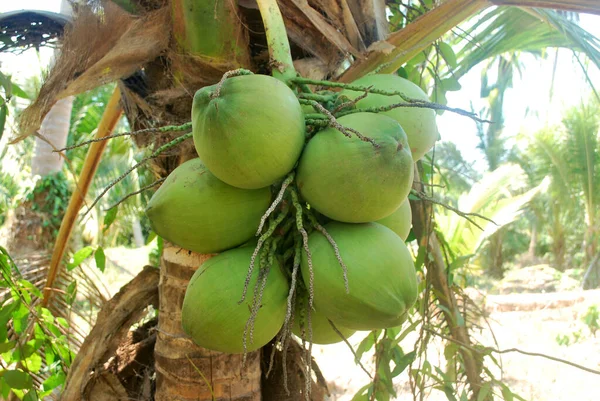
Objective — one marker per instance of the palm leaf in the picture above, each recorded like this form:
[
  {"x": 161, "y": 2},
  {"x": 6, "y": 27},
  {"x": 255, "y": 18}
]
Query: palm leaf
[{"x": 510, "y": 29}]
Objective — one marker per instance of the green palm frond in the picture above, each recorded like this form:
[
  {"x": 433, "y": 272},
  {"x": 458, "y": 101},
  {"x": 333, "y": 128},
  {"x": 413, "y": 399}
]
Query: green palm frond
[
  {"x": 582, "y": 126},
  {"x": 119, "y": 156},
  {"x": 510, "y": 29},
  {"x": 500, "y": 195}
]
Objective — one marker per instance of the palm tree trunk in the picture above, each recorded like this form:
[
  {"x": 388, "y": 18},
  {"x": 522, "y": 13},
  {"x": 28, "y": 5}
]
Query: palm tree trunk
[
  {"x": 495, "y": 259},
  {"x": 54, "y": 130},
  {"x": 184, "y": 371},
  {"x": 53, "y": 135}
]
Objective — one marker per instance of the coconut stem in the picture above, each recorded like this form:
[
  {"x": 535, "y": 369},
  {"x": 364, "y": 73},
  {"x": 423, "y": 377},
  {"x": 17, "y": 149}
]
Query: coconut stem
[
  {"x": 277, "y": 40},
  {"x": 139, "y": 191},
  {"x": 317, "y": 97},
  {"x": 344, "y": 130},
  {"x": 228, "y": 74},
  {"x": 410, "y": 102}
]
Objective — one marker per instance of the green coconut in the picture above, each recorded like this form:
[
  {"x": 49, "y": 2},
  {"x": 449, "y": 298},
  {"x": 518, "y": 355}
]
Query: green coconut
[
  {"x": 322, "y": 332},
  {"x": 211, "y": 315},
  {"x": 350, "y": 180},
  {"x": 195, "y": 210},
  {"x": 251, "y": 134},
  {"x": 381, "y": 276},
  {"x": 418, "y": 123},
  {"x": 400, "y": 221}
]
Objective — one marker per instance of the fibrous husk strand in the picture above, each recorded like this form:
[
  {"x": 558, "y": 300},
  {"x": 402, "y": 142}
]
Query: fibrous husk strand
[
  {"x": 336, "y": 249},
  {"x": 267, "y": 234},
  {"x": 288, "y": 180}
]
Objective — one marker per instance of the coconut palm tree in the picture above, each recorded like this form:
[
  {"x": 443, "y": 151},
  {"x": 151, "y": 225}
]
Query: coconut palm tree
[{"x": 208, "y": 39}]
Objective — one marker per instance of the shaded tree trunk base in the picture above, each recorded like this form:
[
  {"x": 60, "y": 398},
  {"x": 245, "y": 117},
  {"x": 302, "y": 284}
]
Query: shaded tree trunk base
[
  {"x": 112, "y": 353},
  {"x": 273, "y": 388},
  {"x": 184, "y": 371}
]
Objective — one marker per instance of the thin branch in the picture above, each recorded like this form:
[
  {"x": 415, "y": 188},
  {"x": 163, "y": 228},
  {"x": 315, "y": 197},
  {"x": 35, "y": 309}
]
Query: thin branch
[
  {"x": 155, "y": 154},
  {"x": 505, "y": 351},
  {"x": 419, "y": 104},
  {"x": 356, "y": 359},
  {"x": 465, "y": 215},
  {"x": 351, "y": 102},
  {"x": 155, "y": 183},
  {"x": 344, "y": 130},
  {"x": 164, "y": 129},
  {"x": 410, "y": 102}
]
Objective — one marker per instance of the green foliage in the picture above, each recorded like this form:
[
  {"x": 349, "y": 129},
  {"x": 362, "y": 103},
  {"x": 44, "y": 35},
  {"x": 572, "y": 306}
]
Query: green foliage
[
  {"x": 592, "y": 319},
  {"x": 50, "y": 196},
  {"x": 120, "y": 154},
  {"x": 38, "y": 347},
  {"x": 9, "y": 89}
]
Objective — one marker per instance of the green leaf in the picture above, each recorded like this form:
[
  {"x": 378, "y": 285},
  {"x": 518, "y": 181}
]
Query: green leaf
[
  {"x": 34, "y": 290},
  {"x": 403, "y": 363},
  {"x": 6, "y": 346},
  {"x": 364, "y": 346},
  {"x": 3, "y": 115},
  {"x": 448, "y": 54},
  {"x": 17, "y": 379},
  {"x": 507, "y": 395},
  {"x": 33, "y": 363},
  {"x": 110, "y": 217},
  {"x": 4, "y": 388},
  {"x": 484, "y": 392},
  {"x": 459, "y": 262},
  {"x": 31, "y": 396},
  {"x": 100, "y": 259},
  {"x": 20, "y": 319},
  {"x": 57, "y": 379},
  {"x": 62, "y": 321},
  {"x": 150, "y": 238},
  {"x": 6, "y": 83},
  {"x": 71, "y": 292},
  {"x": 79, "y": 257},
  {"x": 18, "y": 92},
  {"x": 450, "y": 84}
]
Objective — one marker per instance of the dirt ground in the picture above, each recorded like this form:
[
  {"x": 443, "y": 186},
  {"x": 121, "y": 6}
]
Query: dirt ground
[{"x": 522, "y": 319}]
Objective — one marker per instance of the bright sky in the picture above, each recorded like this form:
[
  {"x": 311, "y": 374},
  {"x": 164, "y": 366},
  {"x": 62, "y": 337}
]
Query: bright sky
[{"x": 527, "y": 105}]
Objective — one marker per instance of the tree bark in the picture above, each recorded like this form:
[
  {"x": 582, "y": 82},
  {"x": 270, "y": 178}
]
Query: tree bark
[
  {"x": 495, "y": 258},
  {"x": 184, "y": 371}
]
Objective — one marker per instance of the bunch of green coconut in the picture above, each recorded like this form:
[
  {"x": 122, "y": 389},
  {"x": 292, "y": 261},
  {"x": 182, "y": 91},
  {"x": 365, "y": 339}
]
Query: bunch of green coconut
[{"x": 303, "y": 197}]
